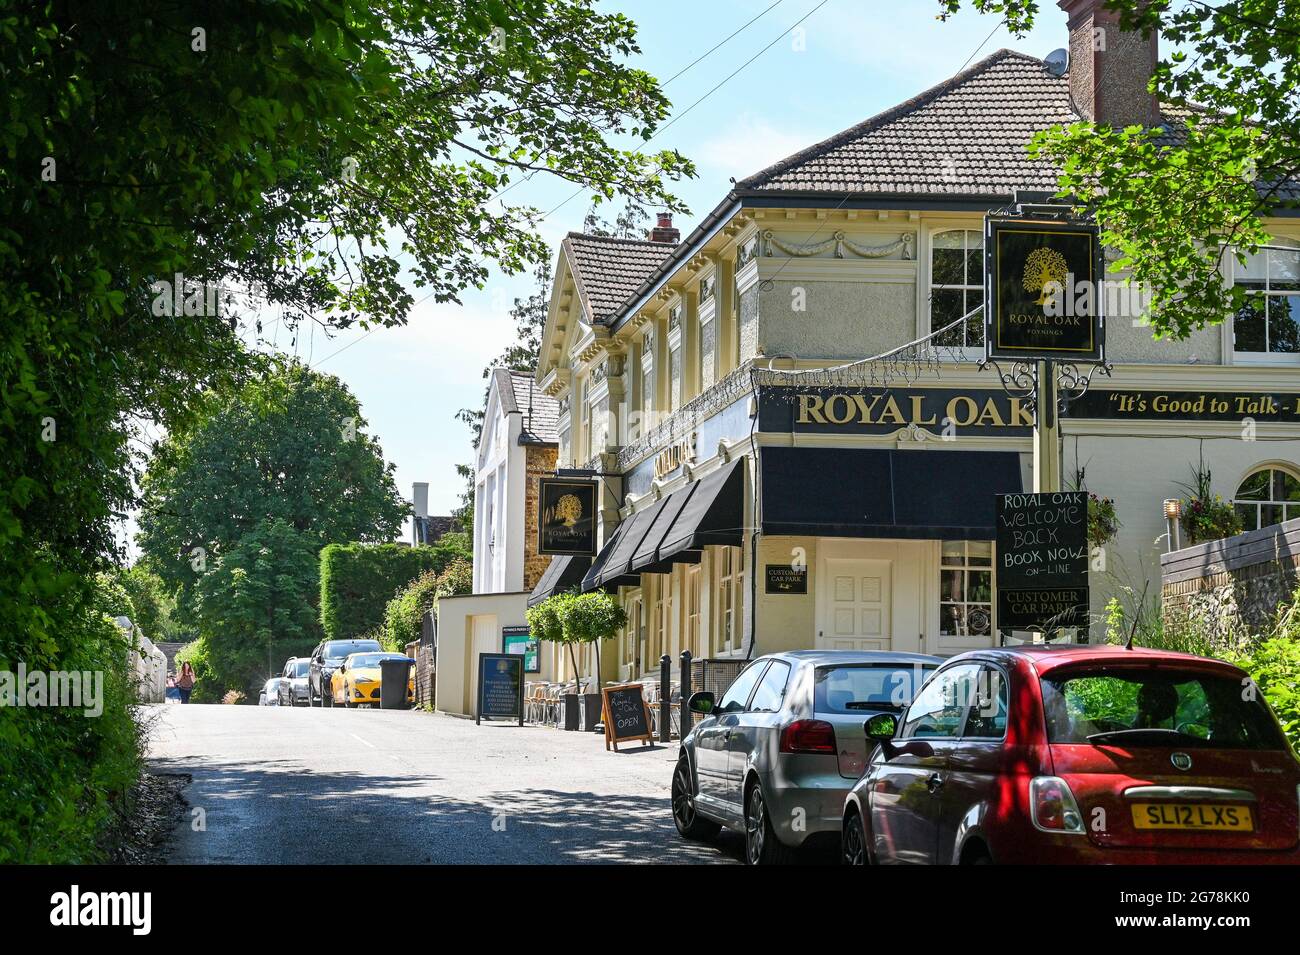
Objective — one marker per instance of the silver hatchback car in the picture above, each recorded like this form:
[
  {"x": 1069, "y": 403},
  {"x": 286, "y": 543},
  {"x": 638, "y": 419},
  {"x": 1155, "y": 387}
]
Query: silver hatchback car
[{"x": 775, "y": 757}]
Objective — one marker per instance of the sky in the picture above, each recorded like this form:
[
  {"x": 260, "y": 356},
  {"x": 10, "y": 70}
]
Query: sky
[{"x": 800, "y": 72}]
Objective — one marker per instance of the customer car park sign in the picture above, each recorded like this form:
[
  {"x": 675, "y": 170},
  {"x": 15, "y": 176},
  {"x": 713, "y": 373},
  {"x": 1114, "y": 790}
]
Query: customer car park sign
[
  {"x": 1043, "y": 298},
  {"x": 1042, "y": 560}
]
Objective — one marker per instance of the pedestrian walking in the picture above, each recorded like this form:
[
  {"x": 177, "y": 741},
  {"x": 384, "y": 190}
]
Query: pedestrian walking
[{"x": 185, "y": 683}]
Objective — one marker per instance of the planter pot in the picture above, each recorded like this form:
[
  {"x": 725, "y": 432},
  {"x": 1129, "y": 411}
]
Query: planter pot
[
  {"x": 572, "y": 711},
  {"x": 591, "y": 706}
]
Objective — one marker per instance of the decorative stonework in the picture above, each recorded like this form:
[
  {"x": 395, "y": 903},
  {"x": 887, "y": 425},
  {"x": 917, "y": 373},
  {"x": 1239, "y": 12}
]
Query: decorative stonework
[
  {"x": 747, "y": 252},
  {"x": 687, "y": 418},
  {"x": 708, "y": 285},
  {"x": 839, "y": 242}
]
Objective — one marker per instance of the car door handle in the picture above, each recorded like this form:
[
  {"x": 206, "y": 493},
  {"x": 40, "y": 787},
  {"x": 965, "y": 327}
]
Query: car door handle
[{"x": 934, "y": 783}]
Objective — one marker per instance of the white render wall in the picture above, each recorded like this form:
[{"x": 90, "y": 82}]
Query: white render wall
[{"x": 498, "y": 513}]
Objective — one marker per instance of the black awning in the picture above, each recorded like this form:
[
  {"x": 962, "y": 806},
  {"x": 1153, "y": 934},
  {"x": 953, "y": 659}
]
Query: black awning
[
  {"x": 714, "y": 514},
  {"x": 561, "y": 574},
  {"x": 876, "y": 492},
  {"x": 674, "y": 530},
  {"x": 616, "y": 557},
  {"x": 647, "y": 552}
]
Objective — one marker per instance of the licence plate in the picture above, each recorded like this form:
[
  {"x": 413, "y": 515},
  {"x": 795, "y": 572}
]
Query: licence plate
[{"x": 1208, "y": 816}]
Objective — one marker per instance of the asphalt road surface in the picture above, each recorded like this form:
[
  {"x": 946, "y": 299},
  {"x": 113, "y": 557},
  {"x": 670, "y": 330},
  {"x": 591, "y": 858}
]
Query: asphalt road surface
[{"x": 319, "y": 786}]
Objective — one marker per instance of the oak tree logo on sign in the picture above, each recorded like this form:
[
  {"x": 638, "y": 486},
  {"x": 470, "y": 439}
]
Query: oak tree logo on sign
[
  {"x": 1045, "y": 270},
  {"x": 568, "y": 509}
]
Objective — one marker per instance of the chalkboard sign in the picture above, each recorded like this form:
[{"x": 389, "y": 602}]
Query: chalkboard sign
[
  {"x": 500, "y": 687},
  {"x": 1042, "y": 540},
  {"x": 1042, "y": 555},
  {"x": 785, "y": 578},
  {"x": 626, "y": 715},
  {"x": 1046, "y": 610}
]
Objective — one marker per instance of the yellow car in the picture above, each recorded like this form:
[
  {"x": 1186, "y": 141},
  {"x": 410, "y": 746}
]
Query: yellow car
[{"x": 356, "y": 682}]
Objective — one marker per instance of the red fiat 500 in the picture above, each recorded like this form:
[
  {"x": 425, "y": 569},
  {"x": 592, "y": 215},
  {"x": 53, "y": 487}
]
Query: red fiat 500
[{"x": 1078, "y": 754}]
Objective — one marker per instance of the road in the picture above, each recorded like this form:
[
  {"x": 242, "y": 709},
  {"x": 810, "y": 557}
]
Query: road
[{"x": 320, "y": 786}]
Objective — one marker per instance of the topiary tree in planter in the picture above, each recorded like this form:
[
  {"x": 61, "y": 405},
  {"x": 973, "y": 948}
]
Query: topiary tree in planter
[{"x": 574, "y": 619}]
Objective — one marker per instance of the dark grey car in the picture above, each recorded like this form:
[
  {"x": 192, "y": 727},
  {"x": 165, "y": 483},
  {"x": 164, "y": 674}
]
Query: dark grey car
[
  {"x": 325, "y": 659},
  {"x": 775, "y": 757}
]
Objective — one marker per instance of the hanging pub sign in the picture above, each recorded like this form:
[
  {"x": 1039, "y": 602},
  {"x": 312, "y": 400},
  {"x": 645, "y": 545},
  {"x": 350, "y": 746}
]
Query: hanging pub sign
[
  {"x": 566, "y": 520},
  {"x": 1042, "y": 560},
  {"x": 1043, "y": 292},
  {"x": 500, "y": 687}
]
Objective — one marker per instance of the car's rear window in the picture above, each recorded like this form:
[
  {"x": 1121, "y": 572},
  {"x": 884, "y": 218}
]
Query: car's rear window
[
  {"x": 1155, "y": 708},
  {"x": 337, "y": 649},
  {"x": 853, "y": 688}
]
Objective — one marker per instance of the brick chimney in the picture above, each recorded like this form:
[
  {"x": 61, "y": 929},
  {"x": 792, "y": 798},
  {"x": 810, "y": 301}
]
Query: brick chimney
[
  {"x": 664, "y": 231},
  {"x": 1110, "y": 67}
]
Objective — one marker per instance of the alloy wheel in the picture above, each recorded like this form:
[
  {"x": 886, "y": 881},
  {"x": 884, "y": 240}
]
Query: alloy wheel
[
  {"x": 854, "y": 849},
  {"x": 755, "y": 826},
  {"x": 683, "y": 798}
]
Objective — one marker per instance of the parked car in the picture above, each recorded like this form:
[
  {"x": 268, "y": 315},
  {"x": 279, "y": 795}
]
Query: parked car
[
  {"x": 356, "y": 682},
  {"x": 270, "y": 692},
  {"x": 776, "y": 755},
  {"x": 1078, "y": 754},
  {"x": 327, "y": 658},
  {"x": 294, "y": 689}
]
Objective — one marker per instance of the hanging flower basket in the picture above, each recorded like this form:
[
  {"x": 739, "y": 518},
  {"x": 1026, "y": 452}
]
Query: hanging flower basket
[
  {"x": 1103, "y": 523},
  {"x": 1209, "y": 519}
]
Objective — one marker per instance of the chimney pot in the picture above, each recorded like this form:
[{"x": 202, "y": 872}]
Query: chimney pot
[
  {"x": 1110, "y": 67},
  {"x": 664, "y": 231}
]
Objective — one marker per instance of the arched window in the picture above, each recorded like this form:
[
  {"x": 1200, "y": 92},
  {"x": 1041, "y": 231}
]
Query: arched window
[
  {"x": 1268, "y": 496},
  {"x": 957, "y": 285}
]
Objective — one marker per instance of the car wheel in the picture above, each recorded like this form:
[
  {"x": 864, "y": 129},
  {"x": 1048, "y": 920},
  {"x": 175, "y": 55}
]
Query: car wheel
[
  {"x": 853, "y": 841},
  {"x": 761, "y": 844},
  {"x": 689, "y": 823}
]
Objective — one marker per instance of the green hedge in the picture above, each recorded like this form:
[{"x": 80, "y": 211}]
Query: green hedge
[{"x": 358, "y": 580}]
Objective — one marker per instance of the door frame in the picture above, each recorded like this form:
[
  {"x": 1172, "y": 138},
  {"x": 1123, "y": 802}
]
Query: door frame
[{"x": 910, "y": 589}]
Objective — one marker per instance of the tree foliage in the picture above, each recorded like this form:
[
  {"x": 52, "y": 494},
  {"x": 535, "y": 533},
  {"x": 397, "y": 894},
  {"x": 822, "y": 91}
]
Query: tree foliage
[
  {"x": 404, "y": 614},
  {"x": 315, "y": 153},
  {"x": 1178, "y": 200},
  {"x": 358, "y": 580},
  {"x": 289, "y": 446},
  {"x": 255, "y": 607}
]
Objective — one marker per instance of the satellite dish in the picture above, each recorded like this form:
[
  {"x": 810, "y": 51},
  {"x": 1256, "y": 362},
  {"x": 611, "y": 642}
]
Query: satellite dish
[{"x": 1057, "y": 62}]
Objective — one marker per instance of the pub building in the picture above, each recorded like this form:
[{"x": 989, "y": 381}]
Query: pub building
[{"x": 746, "y": 503}]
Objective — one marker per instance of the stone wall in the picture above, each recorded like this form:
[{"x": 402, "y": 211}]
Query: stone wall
[
  {"x": 539, "y": 461},
  {"x": 1231, "y": 588}
]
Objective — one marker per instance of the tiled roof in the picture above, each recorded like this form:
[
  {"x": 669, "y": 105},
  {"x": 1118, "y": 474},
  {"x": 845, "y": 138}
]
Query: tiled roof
[
  {"x": 966, "y": 136},
  {"x": 607, "y": 271},
  {"x": 540, "y": 412}
]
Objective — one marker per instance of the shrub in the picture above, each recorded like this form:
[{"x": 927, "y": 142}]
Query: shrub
[
  {"x": 358, "y": 580},
  {"x": 404, "y": 615},
  {"x": 1274, "y": 665},
  {"x": 65, "y": 776}
]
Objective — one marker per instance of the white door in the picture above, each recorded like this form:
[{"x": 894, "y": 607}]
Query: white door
[{"x": 856, "y": 605}]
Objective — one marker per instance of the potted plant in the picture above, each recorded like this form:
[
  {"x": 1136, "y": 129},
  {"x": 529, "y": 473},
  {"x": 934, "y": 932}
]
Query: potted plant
[
  {"x": 1207, "y": 516},
  {"x": 545, "y": 623},
  {"x": 592, "y": 618}
]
